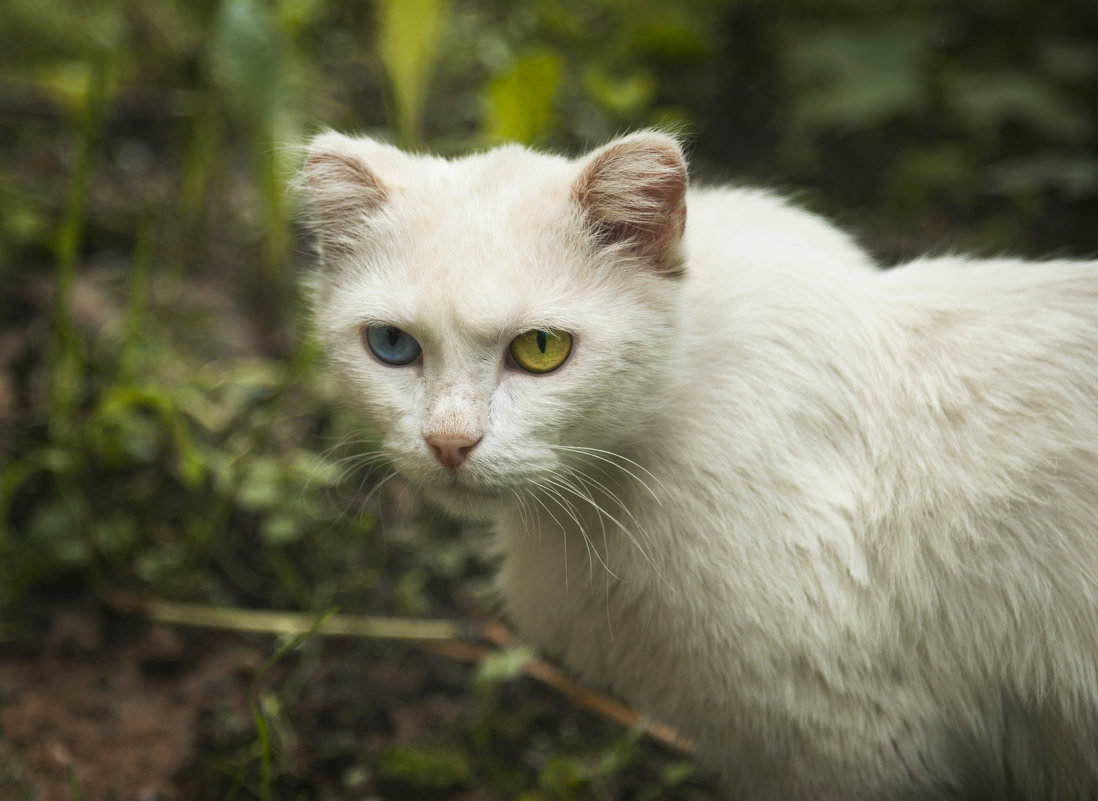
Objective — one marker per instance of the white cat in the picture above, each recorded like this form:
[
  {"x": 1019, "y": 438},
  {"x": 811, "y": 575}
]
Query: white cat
[{"x": 838, "y": 526}]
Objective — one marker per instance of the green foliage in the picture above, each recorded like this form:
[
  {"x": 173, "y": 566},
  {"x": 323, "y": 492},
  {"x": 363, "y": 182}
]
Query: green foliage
[
  {"x": 424, "y": 767},
  {"x": 1073, "y": 174},
  {"x": 570, "y": 777},
  {"x": 854, "y": 77},
  {"x": 520, "y": 101},
  {"x": 165, "y": 426},
  {"x": 250, "y": 62},
  {"x": 267, "y": 711},
  {"x": 88, "y": 101},
  {"x": 945, "y": 112},
  {"x": 506, "y": 665},
  {"x": 407, "y": 44},
  {"x": 253, "y": 65},
  {"x": 988, "y": 101},
  {"x": 622, "y": 96},
  {"x": 163, "y": 454}
]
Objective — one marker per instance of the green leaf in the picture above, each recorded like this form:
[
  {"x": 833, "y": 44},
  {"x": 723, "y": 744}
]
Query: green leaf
[
  {"x": 53, "y": 533},
  {"x": 53, "y": 459},
  {"x": 281, "y": 528},
  {"x": 1074, "y": 174},
  {"x": 250, "y": 59},
  {"x": 1069, "y": 59},
  {"x": 409, "y": 592},
  {"x": 931, "y": 170},
  {"x": 298, "y": 16},
  {"x": 116, "y": 536},
  {"x": 502, "y": 666},
  {"x": 408, "y": 37},
  {"x": 188, "y": 462},
  {"x": 989, "y": 100},
  {"x": 852, "y": 77},
  {"x": 623, "y": 96},
  {"x": 562, "y": 777},
  {"x": 676, "y": 774},
  {"x": 262, "y": 486},
  {"x": 67, "y": 83},
  {"x": 424, "y": 767},
  {"x": 520, "y": 101},
  {"x": 152, "y": 564}
]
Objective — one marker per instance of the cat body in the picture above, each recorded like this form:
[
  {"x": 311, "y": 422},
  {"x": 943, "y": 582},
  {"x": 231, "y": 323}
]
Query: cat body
[{"x": 838, "y": 526}]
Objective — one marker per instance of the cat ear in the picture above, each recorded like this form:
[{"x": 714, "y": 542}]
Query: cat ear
[
  {"x": 633, "y": 195},
  {"x": 343, "y": 192}
]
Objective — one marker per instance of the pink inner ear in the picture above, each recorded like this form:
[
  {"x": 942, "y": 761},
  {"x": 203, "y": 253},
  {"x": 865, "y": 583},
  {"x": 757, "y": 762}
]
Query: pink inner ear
[{"x": 634, "y": 193}]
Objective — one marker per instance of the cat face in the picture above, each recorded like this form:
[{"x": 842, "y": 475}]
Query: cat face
[{"x": 496, "y": 315}]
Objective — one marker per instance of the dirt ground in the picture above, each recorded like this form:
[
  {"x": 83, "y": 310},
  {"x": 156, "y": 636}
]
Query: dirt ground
[
  {"x": 114, "y": 713},
  {"x": 110, "y": 707}
]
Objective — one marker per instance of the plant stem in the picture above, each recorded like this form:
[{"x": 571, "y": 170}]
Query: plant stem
[
  {"x": 66, "y": 357},
  {"x": 293, "y": 623}
]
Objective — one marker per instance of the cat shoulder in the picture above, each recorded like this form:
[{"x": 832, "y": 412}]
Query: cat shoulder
[{"x": 765, "y": 225}]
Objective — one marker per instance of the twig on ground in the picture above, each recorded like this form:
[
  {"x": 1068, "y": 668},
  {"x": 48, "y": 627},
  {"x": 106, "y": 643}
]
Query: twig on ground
[
  {"x": 444, "y": 637},
  {"x": 291, "y": 623}
]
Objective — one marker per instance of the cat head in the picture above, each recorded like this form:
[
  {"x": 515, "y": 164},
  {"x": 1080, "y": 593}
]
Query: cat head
[{"x": 502, "y": 317}]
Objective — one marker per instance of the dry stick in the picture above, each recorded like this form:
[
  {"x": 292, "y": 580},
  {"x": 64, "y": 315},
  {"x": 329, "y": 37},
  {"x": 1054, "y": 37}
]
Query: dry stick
[
  {"x": 438, "y": 636},
  {"x": 587, "y": 699},
  {"x": 269, "y": 622}
]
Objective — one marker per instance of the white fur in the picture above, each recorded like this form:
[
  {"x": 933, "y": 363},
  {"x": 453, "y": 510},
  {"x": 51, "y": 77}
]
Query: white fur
[{"x": 841, "y": 525}]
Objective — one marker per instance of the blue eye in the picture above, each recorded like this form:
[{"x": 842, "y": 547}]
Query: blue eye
[{"x": 391, "y": 345}]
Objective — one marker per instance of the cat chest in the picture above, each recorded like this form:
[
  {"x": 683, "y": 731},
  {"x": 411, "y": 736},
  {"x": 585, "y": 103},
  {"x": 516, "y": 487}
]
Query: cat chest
[
  {"x": 678, "y": 636},
  {"x": 617, "y": 625}
]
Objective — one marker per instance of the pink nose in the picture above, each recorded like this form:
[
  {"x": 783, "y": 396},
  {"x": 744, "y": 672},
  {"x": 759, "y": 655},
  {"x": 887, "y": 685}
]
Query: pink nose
[{"x": 451, "y": 451}]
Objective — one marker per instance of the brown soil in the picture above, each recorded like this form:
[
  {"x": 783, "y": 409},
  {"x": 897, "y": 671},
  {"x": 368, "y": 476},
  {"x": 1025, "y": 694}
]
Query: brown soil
[
  {"x": 117, "y": 715},
  {"x": 107, "y": 707}
]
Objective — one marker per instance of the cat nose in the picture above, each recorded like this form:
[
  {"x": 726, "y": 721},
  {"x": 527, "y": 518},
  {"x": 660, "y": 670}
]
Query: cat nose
[{"x": 451, "y": 451}]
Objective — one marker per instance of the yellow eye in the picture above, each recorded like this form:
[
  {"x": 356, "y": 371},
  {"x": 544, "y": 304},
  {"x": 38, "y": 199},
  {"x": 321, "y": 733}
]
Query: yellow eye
[{"x": 540, "y": 351}]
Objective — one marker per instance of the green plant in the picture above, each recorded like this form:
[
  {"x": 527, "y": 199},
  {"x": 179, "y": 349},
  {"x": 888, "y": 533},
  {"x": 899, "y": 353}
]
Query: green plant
[{"x": 407, "y": 44}]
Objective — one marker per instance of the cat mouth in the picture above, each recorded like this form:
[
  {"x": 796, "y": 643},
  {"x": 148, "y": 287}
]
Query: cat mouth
[
  {"x": 469, "y": 487},
  {"x": 465, "y": 500},
  {"x": 455, "y": 485}
]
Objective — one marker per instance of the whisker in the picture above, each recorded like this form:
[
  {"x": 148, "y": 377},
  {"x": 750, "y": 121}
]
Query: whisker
[
  {"x": 569, "y": 510},
  {"x": 549, "y": 512},
  {"x": 563, "y": 481},
  {"x": 562, "y": 484},
  {"x": 585, "y": 480},
  {"x": 561, "y": 501},
  {"x": 603, "y": 456},
  {"x": 522, "y": 510},
  {"x": 603, "y": 513},
  {"x": 377, "y": 487},
  {"x": 639, "y": 534},
  {"x": 592, "y": 550}
]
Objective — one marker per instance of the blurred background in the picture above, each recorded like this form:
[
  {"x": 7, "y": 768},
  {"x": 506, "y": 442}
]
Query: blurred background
[{"x": 166, "y": 428}]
